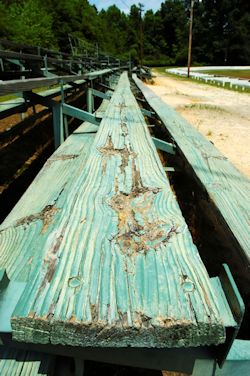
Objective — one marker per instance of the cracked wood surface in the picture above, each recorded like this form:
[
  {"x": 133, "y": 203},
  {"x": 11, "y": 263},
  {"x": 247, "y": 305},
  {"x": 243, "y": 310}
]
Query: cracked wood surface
[
  {"x": 24, "y": 232},
  {"x": 119, "y": 266}
]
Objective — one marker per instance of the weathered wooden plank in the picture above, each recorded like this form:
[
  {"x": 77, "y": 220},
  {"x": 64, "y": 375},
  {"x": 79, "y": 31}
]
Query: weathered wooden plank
[
  {"x": 225, "y": 185},
  {"x": 119, "y": 266},
  {"x": 22, "y": 363},
  {"x": 14, "y": 86},
  {"x": 24, "y": 232}
]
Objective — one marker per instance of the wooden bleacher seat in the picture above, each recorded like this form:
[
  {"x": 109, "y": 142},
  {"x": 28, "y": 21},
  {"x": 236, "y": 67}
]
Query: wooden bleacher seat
[{"x": 106, "y": 253}]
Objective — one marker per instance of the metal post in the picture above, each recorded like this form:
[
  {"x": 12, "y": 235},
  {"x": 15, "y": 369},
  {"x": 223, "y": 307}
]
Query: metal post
[
  {"x": 190, "y": 37},
  {"x": 1, "y": 65},
  {"x": 22, "y": 78},
  {"x": 46, "y": 64},
  {"x": 66, "y": 127},
  {"x": 62, "y": 91},
  {"x": 58, "y": 124},
  {"x": 89, "y": 100},
  {"x": 64, "y": 117},
  {"x": 79, "y": 367}
]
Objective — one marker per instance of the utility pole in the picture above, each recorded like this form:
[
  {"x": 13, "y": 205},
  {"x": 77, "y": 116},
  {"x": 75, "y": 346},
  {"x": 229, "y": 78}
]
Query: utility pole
[
  {"x": 141, "y": 6},
  {"x": 190, "y": 36}
]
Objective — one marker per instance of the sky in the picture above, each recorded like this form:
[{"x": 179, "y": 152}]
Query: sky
[{"x": 125, "y": 5}]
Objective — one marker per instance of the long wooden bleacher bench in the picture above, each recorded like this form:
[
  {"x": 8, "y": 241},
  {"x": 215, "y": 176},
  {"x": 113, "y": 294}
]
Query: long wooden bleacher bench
[
  {"x": 224, "y": 191},
  {"x": 103, "y": 249}
]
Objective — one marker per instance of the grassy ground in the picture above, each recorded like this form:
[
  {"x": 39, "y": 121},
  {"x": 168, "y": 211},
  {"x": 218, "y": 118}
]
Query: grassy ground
[
  {"x": 5, "y": 98},
  {"x": 8, "y": 97},
  {"x": 229, "y": 73},
  {"x": 162, "y": 71}
]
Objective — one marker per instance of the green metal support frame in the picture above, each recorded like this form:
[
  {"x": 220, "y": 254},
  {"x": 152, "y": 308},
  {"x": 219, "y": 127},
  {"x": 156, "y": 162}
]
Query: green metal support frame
[
  {"x": 58, "y": 125},
  {"x": 91, "y": 93},
  {"x": 59, "y": 109},
  {"x": 147, "y": 112},
  {"x": 164, "y": 146},
  {"x": 237, "y": 307},
  {"x": 80, "y": 114},
  {"x": 100, "y": 94}
]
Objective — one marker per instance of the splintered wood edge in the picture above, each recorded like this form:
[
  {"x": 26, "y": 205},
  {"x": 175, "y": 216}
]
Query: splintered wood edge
[{"x": 170, "y": 334}]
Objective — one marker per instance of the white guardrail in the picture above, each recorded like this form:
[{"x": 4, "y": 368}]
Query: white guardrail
[{"x": 195, "y": 72}]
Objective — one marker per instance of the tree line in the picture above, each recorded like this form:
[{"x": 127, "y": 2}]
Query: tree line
[{"x": 221, "y": 29}]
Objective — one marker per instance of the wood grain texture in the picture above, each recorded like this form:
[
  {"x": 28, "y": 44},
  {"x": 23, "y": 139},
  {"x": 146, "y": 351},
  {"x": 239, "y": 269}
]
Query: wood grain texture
[
  {"x": 24, "y": 232},
  {"x": 225, "y": 185},
  {"x": 119, "y": 266},
  {"x": 24, "y": 363}
]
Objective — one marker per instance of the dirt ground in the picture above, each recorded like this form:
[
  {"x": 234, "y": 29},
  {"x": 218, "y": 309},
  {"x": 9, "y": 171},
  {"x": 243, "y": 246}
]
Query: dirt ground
[{"x": 222, "y": 116}]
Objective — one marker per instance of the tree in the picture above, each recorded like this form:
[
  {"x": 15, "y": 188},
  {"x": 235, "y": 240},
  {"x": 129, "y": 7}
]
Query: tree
[
  {"x": 220, "y": 30},
  {"x": 28, "y": 22}
]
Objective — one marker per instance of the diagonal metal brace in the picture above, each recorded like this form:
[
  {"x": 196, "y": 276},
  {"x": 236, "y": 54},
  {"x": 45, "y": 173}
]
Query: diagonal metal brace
[
  {"x": 147, "y": 112},
  {"x": 100, "y": 94},
  {"x": 164, "y": 146},
  {"x": 80, "y": 114}
]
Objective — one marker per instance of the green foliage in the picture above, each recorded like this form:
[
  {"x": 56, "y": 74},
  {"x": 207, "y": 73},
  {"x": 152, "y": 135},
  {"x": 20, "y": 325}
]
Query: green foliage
[
  {"x": 28, "y": 22},
  {"x": 220, "y": 30}
]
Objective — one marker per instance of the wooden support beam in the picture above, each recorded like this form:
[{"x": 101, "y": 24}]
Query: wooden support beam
[
  {"x": 14, "y": 86},
  {"x": 117, "y": 263}
]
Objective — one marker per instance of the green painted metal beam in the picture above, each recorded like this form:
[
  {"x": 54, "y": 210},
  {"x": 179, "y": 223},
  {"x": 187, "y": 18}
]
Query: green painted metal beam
[
  {"x": 169, "y": 169},
  {"x": 58, "y": 125},
  {"x": 80, "y": 114},
  {"x": 100, "y": 94},
  {"x": 147, "y": 112},
  {"x": 39, "y": 99},
  {"x": 164, "y": 146}
]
